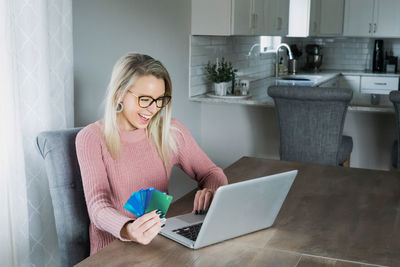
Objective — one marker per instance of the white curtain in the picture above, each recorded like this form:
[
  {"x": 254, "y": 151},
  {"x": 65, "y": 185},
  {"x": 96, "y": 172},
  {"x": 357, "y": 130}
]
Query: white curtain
[{"x": 36, "y": 94}]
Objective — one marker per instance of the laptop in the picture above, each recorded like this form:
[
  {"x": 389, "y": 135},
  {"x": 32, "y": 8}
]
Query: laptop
[{"x": 237, "y": 209}]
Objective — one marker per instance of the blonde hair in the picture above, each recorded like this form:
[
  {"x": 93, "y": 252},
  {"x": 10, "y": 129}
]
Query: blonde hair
[{"x": 125, "y": 72}]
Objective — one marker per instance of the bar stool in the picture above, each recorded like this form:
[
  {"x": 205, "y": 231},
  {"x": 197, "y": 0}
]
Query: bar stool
[
  {"x": 311, "y": 123},
  {"x": 394, "y": 96}
]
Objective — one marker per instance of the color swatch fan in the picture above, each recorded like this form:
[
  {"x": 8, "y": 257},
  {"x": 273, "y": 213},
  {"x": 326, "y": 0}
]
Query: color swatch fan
[{"x": 147, "y": 200}]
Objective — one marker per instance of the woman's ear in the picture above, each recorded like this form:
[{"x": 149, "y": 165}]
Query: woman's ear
[{"x": 118, "y": 97}]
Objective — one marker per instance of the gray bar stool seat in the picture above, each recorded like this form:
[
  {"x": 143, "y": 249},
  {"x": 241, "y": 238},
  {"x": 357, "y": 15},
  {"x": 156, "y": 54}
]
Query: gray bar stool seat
[
  {"x": 394, "y": 96},
  {"x": 311, "y": 123}
]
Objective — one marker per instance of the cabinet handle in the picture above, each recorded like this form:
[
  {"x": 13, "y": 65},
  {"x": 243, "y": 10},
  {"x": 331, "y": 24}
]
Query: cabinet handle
[
  {"x": 370, "y": 28},
  {"x": 315, "y": 26},
  {"x": 380, "y": 83},
  {"x": 252, "y": 20},
  {"x": 374, "y": 27},
  {"x": 255, "y": 20}
]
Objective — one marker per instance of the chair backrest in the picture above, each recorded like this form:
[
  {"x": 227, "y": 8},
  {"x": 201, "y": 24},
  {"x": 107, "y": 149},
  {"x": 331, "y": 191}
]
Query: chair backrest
[
  {"x": 311, "y": 122},
  {"x": 70, "y": 212},
  {"x": 394, "y": 96}
]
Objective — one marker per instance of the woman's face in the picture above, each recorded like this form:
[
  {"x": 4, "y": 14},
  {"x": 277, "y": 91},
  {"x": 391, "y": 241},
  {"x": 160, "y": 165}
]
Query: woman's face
[{"x": 133, "y": 116}]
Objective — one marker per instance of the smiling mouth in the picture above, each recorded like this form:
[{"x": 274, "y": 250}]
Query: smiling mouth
[{"x": 145, "y": 116}]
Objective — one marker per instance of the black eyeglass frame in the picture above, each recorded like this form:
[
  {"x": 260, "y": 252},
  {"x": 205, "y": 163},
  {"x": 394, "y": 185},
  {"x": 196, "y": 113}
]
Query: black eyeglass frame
[{"x": 165, "y": 100}]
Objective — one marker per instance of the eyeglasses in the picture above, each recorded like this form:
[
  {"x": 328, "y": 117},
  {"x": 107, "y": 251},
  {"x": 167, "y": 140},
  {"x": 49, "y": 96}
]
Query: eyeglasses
[{"x": 145, "y": 101}]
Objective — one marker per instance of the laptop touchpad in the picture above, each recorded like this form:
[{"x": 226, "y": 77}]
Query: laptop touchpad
[{"x": 191, "y": 218}]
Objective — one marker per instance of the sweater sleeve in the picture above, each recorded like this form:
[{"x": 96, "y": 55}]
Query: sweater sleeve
[
  {"x": 193, "y": 160},
  {"x": 95, "y": 184}
]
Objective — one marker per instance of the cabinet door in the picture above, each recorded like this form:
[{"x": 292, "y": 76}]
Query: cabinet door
[
  {"x": 211, "y": 17},
  {"x": 276, "y": 17},
  {"x": 331, "y": 20},
  {"x": 257, "y": 26},
  {"x": 243, "y": 19},
  {"x": 358, "y": 16},
  {"x": 387, "y": 18},
  {"x": 315, "y": 17}
]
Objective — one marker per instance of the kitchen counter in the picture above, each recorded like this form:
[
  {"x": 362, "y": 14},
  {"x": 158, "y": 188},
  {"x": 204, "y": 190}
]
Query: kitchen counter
[{"x": 259, "y": 96}]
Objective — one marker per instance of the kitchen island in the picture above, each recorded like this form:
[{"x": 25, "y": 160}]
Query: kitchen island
[{"x": 259, "y": 86}]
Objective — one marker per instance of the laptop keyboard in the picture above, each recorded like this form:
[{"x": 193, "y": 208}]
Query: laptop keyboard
[{"x": 190, "y": 232}]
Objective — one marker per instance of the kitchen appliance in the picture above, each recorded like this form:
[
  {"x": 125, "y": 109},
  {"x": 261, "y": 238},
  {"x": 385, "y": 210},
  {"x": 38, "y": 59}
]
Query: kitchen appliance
[
  {"x": 378, "y": 59},
  {"x": 314, "y": 57},
  {"x": 391, "y": 64}
]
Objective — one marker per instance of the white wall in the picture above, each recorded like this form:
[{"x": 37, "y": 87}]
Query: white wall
[{"x": 105, "y": 30}]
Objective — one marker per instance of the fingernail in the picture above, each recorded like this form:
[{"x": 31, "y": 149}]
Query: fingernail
[
  {"x": 205, "y": 208},
  {"x": 163, "y": 220},
  {"x": 162, "y": 225},
  {"x": 159, "y": 212},
  {"x": 196, "y": 212},
  {"x": 200, "y": 212}
]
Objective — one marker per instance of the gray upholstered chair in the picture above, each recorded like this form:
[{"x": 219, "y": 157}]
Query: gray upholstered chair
[
  {"x": 311, "y": 123},
  {"x": 395, "y": 98},
  {"x": 70, "y": 212}
]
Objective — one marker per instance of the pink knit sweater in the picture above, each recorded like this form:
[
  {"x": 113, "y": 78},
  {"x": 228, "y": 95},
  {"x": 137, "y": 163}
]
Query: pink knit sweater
[{"x": 108, "y": 183}]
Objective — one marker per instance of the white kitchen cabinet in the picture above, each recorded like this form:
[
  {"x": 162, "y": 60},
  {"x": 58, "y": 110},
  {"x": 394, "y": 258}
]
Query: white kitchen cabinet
[
  {"x": 243, "y": 18},
  {"x": 226, "y": 17},
  {"x": 316, "y": 17},
  {"x": 240, "y": 17},
  {"x": 358, "y": 17},
  {"x": 387, "y": 19},
  {"x": 379, "y": 85},
  {"x": 211, "y": 17},
  {"x": 372, "y": 18},
  {"x": 276, "y": 17},
  {"x": 331, "y": 18},
  {"x": 350, "y": 81},
  {"x": 353, "y": 82}
]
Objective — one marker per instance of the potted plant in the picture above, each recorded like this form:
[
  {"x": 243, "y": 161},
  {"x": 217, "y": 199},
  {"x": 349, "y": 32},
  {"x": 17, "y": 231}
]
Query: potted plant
[{"x": 222, "y": 75}]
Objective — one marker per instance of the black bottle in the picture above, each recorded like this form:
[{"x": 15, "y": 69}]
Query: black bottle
[{"x": 377, "y": 61}]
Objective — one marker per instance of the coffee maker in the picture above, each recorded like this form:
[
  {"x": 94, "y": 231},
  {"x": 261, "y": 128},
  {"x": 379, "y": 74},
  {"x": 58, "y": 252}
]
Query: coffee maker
[
  {"x": 378, "y": 58},
  {"x": 314, "y": 57}
]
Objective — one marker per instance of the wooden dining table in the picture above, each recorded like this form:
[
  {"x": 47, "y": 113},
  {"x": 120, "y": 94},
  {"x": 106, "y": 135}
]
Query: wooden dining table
[{"x": 332, "y": 216}]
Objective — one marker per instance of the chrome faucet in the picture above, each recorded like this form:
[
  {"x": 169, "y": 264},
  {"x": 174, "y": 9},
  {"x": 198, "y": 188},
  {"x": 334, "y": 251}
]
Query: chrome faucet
[{"x": 277, "y": 57}]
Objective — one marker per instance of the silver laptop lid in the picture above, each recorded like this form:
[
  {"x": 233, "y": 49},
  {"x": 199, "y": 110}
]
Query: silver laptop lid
[{"x": 244, "y": 207}]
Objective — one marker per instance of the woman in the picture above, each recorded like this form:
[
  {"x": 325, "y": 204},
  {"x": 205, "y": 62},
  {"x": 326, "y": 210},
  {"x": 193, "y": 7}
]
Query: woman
[{"x": 134, "y": 147}]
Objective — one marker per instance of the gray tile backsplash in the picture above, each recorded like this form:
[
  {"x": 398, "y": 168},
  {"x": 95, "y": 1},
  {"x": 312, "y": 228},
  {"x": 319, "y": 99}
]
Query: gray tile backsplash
[
  {"x": 346, "y": 53},
  {"x": 338, "y": 54},
  {"x": 232, "y": 48}
]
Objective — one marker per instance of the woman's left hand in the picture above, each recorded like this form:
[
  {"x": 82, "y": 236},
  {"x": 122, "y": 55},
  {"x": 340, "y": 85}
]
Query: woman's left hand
[{"x": 202, "y": 200}]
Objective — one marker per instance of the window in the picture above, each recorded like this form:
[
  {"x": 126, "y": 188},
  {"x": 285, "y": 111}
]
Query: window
[{"x": 269, "y": 43}]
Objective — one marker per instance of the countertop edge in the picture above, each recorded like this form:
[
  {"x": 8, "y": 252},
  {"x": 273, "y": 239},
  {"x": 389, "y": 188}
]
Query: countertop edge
[
  {"x": 328, "y": 75},
  {"x": 266, "y": 103}
]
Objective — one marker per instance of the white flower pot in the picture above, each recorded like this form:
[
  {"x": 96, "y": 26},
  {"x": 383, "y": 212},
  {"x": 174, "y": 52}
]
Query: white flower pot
[{"x": 222, "y": 88}]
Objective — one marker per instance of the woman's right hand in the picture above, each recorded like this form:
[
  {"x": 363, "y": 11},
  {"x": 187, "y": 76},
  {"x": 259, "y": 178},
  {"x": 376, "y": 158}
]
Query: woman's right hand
[{"x": 144, "y": 228}]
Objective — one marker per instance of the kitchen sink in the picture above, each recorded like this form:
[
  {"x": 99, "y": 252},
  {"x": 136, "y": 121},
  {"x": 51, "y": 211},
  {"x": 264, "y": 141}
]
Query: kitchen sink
[
  {"x": 295, "y": 79},
  {"x": 302, "y": 80}
]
